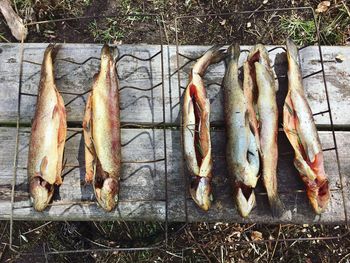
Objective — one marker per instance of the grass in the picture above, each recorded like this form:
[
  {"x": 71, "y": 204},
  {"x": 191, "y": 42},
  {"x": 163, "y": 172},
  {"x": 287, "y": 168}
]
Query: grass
[
  {"x": 199, "y": 242},
  {"x": 303, "y": 32},
  {"x": 47, "y": 9},
  {"x": 106, "y": 33},
  {"x": 334, "y": 26}
]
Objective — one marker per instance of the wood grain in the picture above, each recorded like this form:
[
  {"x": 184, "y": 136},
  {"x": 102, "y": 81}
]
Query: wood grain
[
  {"x": 146, "y": 188},
  {"x": 143, "y": 195},
  {"x": 145, "y": 107}
]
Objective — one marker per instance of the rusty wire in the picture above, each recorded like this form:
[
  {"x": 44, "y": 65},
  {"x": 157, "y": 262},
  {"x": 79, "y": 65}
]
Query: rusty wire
[
  {"x": 179, "y": 70},
  {"x": 154, "y": 125},
  {"x": 162, "y": 246}
]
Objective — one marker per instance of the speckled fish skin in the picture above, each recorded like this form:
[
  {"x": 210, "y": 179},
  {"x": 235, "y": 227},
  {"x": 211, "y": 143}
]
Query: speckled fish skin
[
  {"x": 101, "y": 127},
  {"x": 241, "y": 148},
  {"x": 300, "y": 128},
  {"x": 266, "y": 116},
  {"x": 48, "y": 136},
  {"x": 196, "y": 130}
]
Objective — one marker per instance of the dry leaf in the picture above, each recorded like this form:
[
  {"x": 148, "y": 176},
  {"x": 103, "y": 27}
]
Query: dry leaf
[
  {"x": 323, "y": 6},
  {"x": 223, "y": 22},
  {"x": 340, "y": 58},
  {"x": 14, "y": 22},
  {"x": 256, "y": 235}
]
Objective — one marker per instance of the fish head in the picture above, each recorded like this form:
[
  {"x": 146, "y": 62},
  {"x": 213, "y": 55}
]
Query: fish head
[
  {"x": 319, "y": 196},
  {"x": 41, "y": 192},
  {"x": 107, "y": 194},
  {"x": 245, "y": 199},
  {"x": 201, "y": 192}
]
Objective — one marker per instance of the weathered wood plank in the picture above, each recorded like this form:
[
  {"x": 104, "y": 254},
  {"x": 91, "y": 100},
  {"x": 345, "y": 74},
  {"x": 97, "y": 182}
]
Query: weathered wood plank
[
  {"x": 143, "y": 196},
  {"x": 136, "y": 105},
  {"x": 139, "y": 147},
  {"x": 290, "y": 188},
  {"x": 146, "y": 106}
]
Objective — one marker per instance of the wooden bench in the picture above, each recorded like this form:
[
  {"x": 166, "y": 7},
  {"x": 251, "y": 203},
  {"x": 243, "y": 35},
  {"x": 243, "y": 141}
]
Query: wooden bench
[{"x": 146, "y": 192}]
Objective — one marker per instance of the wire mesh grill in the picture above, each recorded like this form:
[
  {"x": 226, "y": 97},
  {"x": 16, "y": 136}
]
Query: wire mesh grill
[
  {"x": 186, "y": 57},
  {"x": 136, "y": 74},
  {"x": 159, "y": 125}
]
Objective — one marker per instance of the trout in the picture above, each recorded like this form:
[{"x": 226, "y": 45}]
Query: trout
[
  {"x": 196, "y": 130},
  {"x": 48, "y": 135},
  {"x": 101, "y": 127},
  {"x": 260, "y": 90},
  {"x": 242, "y": 154},
  {"x": 300, "y": 128}
]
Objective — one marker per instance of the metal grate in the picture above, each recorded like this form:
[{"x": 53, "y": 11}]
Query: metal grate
[
  {"x": 162, "y": 125},
  {"x": 186, "y": 59},
  {"x": 76, "y": 129}
]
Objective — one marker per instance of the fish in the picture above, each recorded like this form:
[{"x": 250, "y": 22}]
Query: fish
[
  {"x": 101, "y": 128},
  {"x": 196, "y": 130},
  {"x": 48, "y": 136},
  {"x": 242, "y": 154},
  {"x": 260, "y": 88},
  {"x": 300, "y": 129}
]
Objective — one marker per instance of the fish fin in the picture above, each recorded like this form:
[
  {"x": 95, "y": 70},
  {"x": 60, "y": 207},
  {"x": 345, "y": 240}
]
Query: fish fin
[
  {"x": 277, "y": 207},
  {"x": 234, "y": 51},
  {"x": 62, "y": 133},
  {"x": 89, "y": 148},
  {"x": 43, "y": 165},
  {"x": 63, "y": 118},
  {"x": 58, "y": 179}
]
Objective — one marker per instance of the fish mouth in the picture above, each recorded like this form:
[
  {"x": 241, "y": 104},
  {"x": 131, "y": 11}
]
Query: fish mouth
[
  {"x": 245, "y": 199},
  {"x": 201, "y": 192},
  {"x": 41, "y": 192},
  {"x": 106, "y": 193},
  {"x": 319, "y": 195}
]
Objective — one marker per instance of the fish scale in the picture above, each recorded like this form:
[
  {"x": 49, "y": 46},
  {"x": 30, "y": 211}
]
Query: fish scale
[{"x": 48, "y": 136}]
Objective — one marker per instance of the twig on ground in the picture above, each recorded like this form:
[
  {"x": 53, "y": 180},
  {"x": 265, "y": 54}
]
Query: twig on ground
[
  {"x": 343, "y": 258},
  {"x": 34, "y": 229},
  {"x": 346, "y": 8},
  {"x": 276, "y": 243}
]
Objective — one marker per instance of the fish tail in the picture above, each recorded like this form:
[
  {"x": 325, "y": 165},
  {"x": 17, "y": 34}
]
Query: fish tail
[
  {"x": 277, "y": 207},
  {"x": 213, "y": 55},
  {"x": 106, "y": 51},
  {"x": 234, "y": 52},
  {"x": 292, "y": 51},
  {"x": 217, "y": 54},
  {"x": 47, "y": 67},
  {"x": 51, "y": 51}
]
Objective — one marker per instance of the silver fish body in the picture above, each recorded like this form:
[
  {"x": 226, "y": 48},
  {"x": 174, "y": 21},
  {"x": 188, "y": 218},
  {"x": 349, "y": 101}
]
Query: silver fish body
[{"x": 241, "y": 149}]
